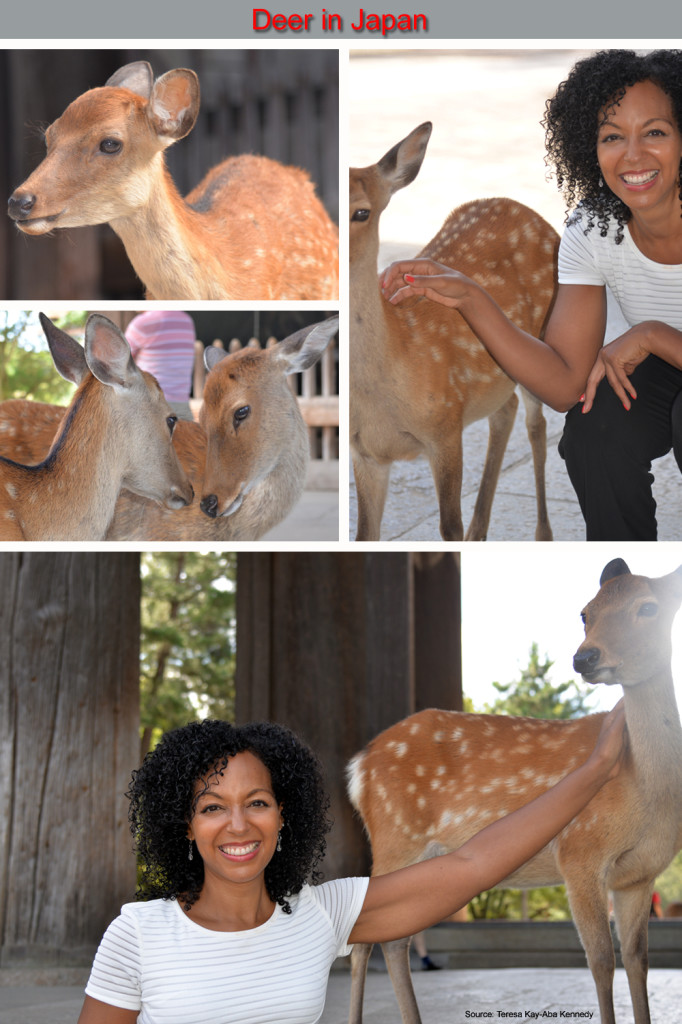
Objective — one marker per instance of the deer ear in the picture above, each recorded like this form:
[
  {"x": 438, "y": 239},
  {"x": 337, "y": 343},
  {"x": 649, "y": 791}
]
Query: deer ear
[
  {"x": 401, "y": 164},
  {"x": 138, "y": 77},
  {"x": 174, "y": 104},
  {"x": 68, "y": 356},
  {"x": 301, "y": 350},
  {"x": 213, "y": 355},
  {"x": 108, "y": 353},
  {"x": 616, "y": 567}
]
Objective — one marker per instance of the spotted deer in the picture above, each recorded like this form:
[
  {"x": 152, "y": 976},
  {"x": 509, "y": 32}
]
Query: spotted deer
[
  {"x": 426, "y": 785},
  {"x": 252, "y": 229},
  {"x": 247, "y": 458},
  {"x": 116, "y": 433},
  {"x": 418, "y": 374}
]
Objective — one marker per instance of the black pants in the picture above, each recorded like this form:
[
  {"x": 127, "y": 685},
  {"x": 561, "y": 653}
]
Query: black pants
[{"x": 608, "y": 452}]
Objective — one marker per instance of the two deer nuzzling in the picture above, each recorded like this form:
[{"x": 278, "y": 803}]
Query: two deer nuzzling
[
  {"x": 426, "y": 785},
  {"x": 116, "y": 433},
  {"x": 252, "y": 229},
  {"x": 418, "y": 374},
  {"x": 246, "y": 459}
]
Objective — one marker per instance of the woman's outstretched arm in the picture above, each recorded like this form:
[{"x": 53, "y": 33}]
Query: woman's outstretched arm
[
  {"x": 417, "y": 897},
  {"x": 555, "y": 369}
]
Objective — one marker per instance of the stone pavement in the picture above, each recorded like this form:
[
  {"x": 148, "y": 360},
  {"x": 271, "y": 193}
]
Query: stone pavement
[
  {"x": 314, "y": 518},
  {"x": 444, "y": 997}
]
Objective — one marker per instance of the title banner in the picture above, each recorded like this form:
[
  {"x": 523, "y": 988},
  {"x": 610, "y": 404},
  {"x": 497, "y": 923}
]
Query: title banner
[{"x": 384, "y": 22}]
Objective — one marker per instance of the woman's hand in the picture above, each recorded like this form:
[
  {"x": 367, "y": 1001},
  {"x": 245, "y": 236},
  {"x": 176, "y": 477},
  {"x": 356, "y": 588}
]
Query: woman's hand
[
  {"x": 616, "y": 361},
  {"x": 424, "y": 277},
  {"x": 611, "y": 745}
]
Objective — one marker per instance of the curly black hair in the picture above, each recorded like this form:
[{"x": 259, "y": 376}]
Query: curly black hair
[
  {"x": 572, "y": 120},
  {"x": 162, "y": 801}
]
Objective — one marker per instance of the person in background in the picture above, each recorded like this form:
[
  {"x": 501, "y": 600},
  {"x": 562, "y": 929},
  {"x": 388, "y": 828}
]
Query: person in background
[{"x": 162, "y": 342}]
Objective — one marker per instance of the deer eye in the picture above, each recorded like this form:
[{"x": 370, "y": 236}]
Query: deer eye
[
  {"x": 171, "y": 421},
  {"x": 361, "y": 214},
  {"x": 648, "y": 610},
  {"x": 110, "y": 146},
  {"x": 241, "y": 414}
]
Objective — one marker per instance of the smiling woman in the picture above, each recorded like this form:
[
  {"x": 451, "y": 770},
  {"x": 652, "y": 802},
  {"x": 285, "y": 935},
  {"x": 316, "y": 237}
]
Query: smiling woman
[
  {"x": 230, "y": 824},
  {"x": 613, "y": 136}
]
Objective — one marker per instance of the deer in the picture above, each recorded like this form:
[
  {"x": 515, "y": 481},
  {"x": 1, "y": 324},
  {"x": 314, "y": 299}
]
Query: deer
[
  {"x": 247, "y": 457},
  {"x": 117, "y": 432},
  {"x": 427, "y": 784},
  {"x": 418, "y": 374},
  {"x": 252, "y": 229}
]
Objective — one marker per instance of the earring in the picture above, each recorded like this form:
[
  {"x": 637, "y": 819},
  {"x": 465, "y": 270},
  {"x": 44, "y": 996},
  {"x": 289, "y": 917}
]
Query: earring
[
  {"x": 190, "y": 855},
  {"x": 601, "y": 183},
  {"x": 279, "y": 841}
]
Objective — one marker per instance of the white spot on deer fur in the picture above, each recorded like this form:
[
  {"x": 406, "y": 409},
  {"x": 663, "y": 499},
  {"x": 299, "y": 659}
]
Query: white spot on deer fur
[
  {"x": 436, "y": 355},
  {"x": 11, "y": 490},
  {"x": 414, "y": 728},
  {"x": 456, "y": 733},
  {"x": 411, "y": 788},
  {"x": 399, "y": 748},
  {"x": 9, "y": 514},
  {"x": 421, "y": 803},
  {"x": 419, "y": 770}
]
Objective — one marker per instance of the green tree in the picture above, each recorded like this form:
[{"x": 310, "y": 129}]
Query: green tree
[
  {"x": 188, "y": 640},
  {"x": 26, "y": 367},
  {"x": 536, "y": 696}
]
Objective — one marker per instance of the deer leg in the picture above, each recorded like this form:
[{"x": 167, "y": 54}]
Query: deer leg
[
  {"x": 631, "y": 910},
  {"x": 371, "y": 482},
  {"x": 359, "y": 958},
  {"x": 590, "y": 914},
  {"x": 397, "y": 956},
  {"x": 500, "y": 425},
  {"x": 536, "y": 427},
  {"x": 446, "y": 469}
]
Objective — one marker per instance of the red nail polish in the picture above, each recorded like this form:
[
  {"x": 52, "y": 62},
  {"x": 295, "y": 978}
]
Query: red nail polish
[{"x": 409, "y": 278}]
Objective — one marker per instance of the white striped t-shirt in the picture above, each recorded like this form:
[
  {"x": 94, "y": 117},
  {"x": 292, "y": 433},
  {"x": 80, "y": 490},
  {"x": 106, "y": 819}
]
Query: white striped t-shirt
[
  {"x": 643, "y": 289},
  {"x": 154, "y": 959}
]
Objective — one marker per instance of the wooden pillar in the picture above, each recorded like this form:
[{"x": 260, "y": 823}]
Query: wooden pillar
[
  {"x": 326, "y": 645},
  {"x": 69, "y": 718}
]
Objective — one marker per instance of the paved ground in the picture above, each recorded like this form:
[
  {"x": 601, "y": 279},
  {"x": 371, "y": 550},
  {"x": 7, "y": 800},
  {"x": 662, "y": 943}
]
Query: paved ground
[
  {"x": 315, "y": 518},
  {"x": 444, "y": 997},
  {"x": 487, "y": 140}
]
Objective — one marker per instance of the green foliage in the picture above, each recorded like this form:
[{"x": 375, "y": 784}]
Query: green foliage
[
  {"x": 188, "y": 640},
  {"x": 26, "y": 367},
  {"x": 669, "y": 884},
  {"x": 536, "y": 696}
]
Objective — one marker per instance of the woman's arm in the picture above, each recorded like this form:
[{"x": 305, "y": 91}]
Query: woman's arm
[
  {"x": 96, "y": 1012},
  {"x": 413, "y": 898},
  {"x": 556, "y": 369}
]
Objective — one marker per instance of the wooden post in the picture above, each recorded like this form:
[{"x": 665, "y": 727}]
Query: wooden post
[
  {"x": 69, "y": 717},
  {"x": 326, "y": 645}
]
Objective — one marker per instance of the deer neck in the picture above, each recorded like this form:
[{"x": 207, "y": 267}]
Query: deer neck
[
  {"x": 370, "y": 314},
  {"x": 655, "y": 734},
  {"x": 71, "y": 495},
  {"x": 174, "y": 250}
]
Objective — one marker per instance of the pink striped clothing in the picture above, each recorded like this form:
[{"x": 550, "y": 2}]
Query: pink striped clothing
[{"x": 162, "y": 343}]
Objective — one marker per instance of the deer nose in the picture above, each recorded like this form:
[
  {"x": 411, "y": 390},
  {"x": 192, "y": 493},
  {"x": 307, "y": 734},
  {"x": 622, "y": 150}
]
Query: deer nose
[
  {"x": 585, "y": 661},
  {"x": 209, "y": 505},
  {"x": 20, "y": 205}
]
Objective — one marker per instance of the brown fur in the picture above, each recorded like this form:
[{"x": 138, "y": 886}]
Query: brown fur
[
  {"x": 253, "y": 229},
  {"x": 419, "y": 375},
  {"x": 427, "y": 784}
]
